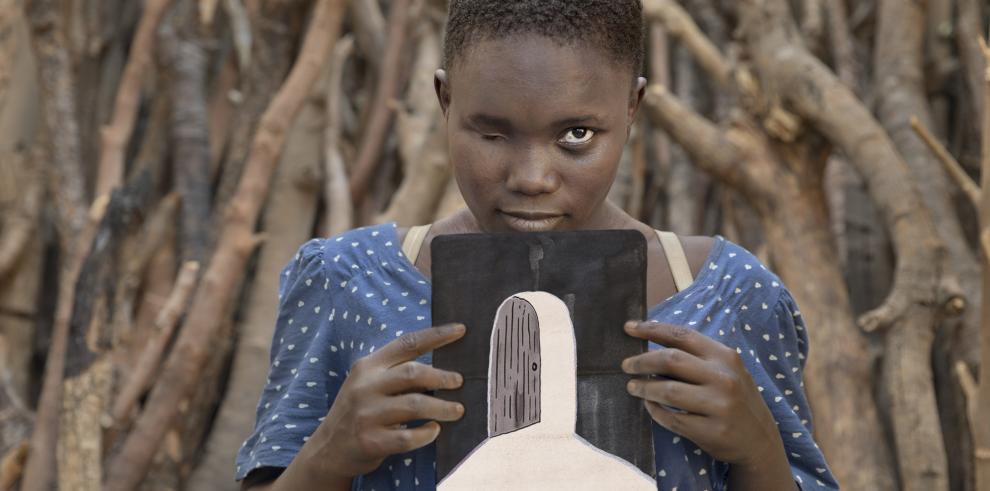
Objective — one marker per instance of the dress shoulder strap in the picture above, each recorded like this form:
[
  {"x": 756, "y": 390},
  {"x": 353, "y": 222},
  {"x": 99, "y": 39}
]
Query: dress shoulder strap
[
  {"x": 676, "y": 258},
  {"x": 414, "y": 241}
]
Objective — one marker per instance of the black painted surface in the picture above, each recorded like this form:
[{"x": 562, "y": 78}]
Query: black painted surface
[{"x": 600, "y": 275}]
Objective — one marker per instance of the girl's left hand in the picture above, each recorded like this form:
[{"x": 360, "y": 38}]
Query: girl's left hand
[{"x": 724, "y": 413}]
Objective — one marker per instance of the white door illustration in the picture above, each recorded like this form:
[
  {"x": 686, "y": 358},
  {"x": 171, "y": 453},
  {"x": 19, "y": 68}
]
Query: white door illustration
[{"x": 532, "y": 399}]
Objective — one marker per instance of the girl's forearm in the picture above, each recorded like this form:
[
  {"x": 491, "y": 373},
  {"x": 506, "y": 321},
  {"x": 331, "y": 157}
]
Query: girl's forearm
[
  {"x": 771, "y": 472},
  {"x": 300, "y": 475}
]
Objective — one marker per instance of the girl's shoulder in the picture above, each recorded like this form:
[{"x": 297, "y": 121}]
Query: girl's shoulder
[
  {"x": 732, "y": 280},
  {"x": 359, "y": 245}
]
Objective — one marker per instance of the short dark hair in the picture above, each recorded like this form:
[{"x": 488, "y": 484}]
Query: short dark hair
[{"x": 613, "y": 25}]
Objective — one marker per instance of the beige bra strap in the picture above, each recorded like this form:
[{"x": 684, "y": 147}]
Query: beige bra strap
[
  {"x": 414, "y": 241},
  {"x": 677, "y": 260}
]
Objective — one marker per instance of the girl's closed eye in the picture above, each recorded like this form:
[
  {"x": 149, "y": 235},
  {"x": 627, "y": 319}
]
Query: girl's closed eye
[{"x": 576, "y": 137}]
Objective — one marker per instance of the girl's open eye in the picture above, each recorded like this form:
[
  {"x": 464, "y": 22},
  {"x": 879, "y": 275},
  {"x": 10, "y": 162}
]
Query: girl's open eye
[{"x": 577, "y": 136}]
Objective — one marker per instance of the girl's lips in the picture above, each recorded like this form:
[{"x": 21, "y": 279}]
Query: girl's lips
[{"x": 531, "y": 222}]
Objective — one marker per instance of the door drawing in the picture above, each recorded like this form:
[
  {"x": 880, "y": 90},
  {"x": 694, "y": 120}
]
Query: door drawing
[
  {"x": 514, "y": 368},
  {"x": 532, "y": 397}
]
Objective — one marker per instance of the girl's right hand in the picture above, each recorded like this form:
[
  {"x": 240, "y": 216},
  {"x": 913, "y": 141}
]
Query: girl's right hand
[{"x": 382, "y": 393}]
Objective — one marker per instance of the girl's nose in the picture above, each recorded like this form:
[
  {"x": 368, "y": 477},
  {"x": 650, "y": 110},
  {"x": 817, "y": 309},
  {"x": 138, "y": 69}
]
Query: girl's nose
[{"x": 533, "y": 174}]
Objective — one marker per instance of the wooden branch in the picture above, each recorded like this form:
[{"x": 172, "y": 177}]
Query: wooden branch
[
  {"x": 380, "y": 118},
  {"x": 226, "y": 268},
  {"x": 87, "y": 376},
  {"x": 16, "y": 421},
  {"x": 152, "y": 151},
  {"x": 813, "y": 23},
  {"x": 416, "y": 200},
  {"x": 21, "y": 222},
  {"x": 369, "y": 30},
  {"x": 842, "y": 47},
  {"x": 619, "y": 193},
  {"x": 143, "y": 374},
  {"x": 273, "y": 47},
  {"x": 240, "y": 25},
  {"x": 157, "y": 286},
  {"x": 186, "y": 63},
  {"x": 115, "y": 135},
  {"x": 939, "y": 30},
  {"x": 969, "y": 27},
  {"x": 680, "y": 26},
  {"x": 207, "y": 11},
  {"x": 970, "y": 390},
  {"x": 952, "y": 167},
  {"x": 981, "y": 437},
  {"x": 153, "y": 235},
  {"x": 220, "y": 110},
  {"x": 66, "y": 184},
  {"x": 708, "y": 146},
  {"x": 902, "y": 96},
  {"x": 777, "y": 121},
  {"x": 12, "y": 466},
  {"x": 339, "y": 215},
  {"x": 419, "y": 114},
  {"x": 422, "y": 141},
  {"x": 634, "y": 204},
  {"x": 659, "y": 158}
]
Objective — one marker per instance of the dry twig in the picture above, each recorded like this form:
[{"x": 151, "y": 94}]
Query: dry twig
[
  {"x": 115, "y": 135},
  {"x": 336, "y": 193},
  {"x": 955, "y": 170},
  {"x": 373, "y": 139},
  {"x": 168, "y": 318}
]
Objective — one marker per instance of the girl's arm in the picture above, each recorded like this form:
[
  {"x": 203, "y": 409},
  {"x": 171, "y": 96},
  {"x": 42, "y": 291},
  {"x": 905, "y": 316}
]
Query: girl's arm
[
  {"x": 295, "y": 477},
  {"x": 773, "y": 471},
  {"x": 366, "y": 422},
  {"x": 719, "y": 407}
]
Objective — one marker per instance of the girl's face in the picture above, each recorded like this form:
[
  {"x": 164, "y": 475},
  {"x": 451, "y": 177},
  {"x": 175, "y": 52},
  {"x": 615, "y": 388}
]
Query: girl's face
[{"x": 535, "y": 131}]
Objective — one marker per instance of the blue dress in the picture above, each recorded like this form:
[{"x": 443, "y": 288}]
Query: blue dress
[{"x": 344, "y": 297}]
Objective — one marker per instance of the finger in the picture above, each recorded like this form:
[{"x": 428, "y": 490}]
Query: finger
[
  {"x": 415, "y": 344},
  {"x": 672, "y": 336},
  {"x": 413, "y": 376},
  {"x": 408, "y": 439},
  {"x": 694, "y": 399},
  {"x": 670, "y": 362},
  {"x": 686, "y": 425},
  {"x": 411, "y": 407}
]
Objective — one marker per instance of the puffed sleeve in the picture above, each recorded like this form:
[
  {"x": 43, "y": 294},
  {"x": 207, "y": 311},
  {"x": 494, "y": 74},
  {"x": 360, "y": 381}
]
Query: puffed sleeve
[
  {"x": 775, "y": 347},
  {"x": 299, "y": 387}
]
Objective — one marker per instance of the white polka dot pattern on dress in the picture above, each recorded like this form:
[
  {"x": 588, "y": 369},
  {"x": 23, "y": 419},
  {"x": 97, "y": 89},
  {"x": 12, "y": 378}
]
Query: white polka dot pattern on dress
[{"x": 321, "y": 332}]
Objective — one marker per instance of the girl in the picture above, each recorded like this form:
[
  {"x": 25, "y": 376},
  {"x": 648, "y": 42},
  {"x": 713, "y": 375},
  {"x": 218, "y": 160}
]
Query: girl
[{"x": 538, "y": 98}]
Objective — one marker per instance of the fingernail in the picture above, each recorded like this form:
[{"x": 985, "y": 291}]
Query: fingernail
[
  {"x": 626, "y": 365},
  {"x": 455, "y": 328},
  {"x": 631, "y": 325},
  {"x": 632, "y": 386},
  {"x": 458, "y": 379},
  {"x": 460, "y": 409}
]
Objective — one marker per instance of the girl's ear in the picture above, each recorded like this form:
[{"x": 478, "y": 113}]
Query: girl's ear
[
  {"x": 443, "y": 90},
  {"x": 635, "y": 98}
]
